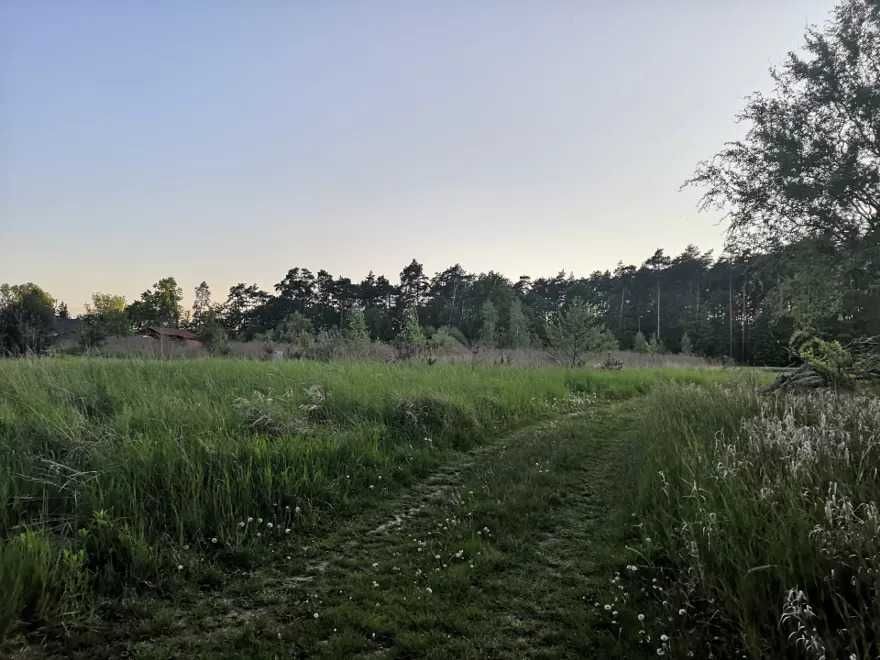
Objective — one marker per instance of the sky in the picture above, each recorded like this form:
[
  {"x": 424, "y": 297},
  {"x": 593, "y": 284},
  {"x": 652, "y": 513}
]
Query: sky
[{"x": 231, "y": 141}]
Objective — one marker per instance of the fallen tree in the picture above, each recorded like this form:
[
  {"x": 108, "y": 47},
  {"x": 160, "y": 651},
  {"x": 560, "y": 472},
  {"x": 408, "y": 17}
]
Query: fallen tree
[{"x": 830, "y": 364}]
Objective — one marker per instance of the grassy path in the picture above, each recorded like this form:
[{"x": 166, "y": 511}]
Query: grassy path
[{"x": 499, "y": 554}]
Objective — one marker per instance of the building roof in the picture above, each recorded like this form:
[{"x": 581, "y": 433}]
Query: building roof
[
  {"x": 66, "y": 326},
  {"x": 173, "y": 333}
]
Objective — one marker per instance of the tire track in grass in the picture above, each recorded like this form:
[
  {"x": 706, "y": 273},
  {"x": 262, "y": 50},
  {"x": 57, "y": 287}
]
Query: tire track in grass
[{"x": 498, "y": 554}]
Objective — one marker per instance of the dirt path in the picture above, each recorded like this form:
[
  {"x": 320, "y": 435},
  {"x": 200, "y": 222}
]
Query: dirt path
[{"x": 499, "y": 554}]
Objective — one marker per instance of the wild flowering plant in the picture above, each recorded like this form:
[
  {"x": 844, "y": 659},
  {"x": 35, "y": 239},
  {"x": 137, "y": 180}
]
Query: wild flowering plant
[
  {"x": 775, "y": 520},
  {"x": 287, "y": 413}
]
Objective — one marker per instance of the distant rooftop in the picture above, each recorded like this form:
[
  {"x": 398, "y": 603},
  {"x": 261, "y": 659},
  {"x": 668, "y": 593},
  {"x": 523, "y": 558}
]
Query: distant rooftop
[{"x": 173, "y": 333}]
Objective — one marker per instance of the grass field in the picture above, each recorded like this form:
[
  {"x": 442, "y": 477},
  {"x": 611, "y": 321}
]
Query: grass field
[
  {"x": 223, "y": 508},
  {"x": 761, "y": 515},
  {"x": 109, "y": 468}
]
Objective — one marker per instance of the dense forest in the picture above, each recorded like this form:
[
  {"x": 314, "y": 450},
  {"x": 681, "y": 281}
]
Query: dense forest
[{"x": 800, "y": 192}]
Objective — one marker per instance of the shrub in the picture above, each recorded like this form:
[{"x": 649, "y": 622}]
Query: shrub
[
  {"x": 356, "y": 330},
  {"x": 640, "y": 344},
  {"x": 687, "y": 346},
  {"x": 446, "y": 338}
]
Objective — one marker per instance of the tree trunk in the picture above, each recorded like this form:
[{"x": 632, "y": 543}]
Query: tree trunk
[
  {"x": 744, "y": 320},
  {"x": 730, "y": 309},
  {"x": 658, "y": 311}
]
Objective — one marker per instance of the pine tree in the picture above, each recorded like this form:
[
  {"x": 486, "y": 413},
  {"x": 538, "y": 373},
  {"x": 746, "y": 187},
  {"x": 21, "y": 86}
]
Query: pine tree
[
  {"x": 655, "y": 347},
  {"x": 687, "y": 346},
  {"x": 576, "y": 330},
  {"x": 412, "y": 336},
  {"x": 202, "y": 308},
  {"x": 356, "y": 329}
]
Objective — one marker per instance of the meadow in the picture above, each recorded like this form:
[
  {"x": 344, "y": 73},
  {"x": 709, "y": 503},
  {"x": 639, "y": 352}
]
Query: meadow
[
  {"x": 698, "y": 515},
  {"x": 108, "y": 466}
]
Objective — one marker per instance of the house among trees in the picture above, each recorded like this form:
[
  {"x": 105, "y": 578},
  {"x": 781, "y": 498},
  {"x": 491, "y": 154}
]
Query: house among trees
[
  {"x": 65, "y": 329},
  {"x": 164, "y": 335}
]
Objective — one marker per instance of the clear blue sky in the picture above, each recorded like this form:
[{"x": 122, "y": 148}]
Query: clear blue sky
[{"x": 230, "y": 141}]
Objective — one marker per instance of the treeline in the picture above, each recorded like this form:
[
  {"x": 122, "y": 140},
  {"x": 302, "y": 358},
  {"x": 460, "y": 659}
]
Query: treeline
[{"x": 745, "y": 308}]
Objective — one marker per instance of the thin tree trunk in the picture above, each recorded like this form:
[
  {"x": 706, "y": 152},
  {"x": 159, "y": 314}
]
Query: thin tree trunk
[
  {"x": 452, "y": 307},
  {"x": 730, "y": 308},
  {"x": 658, "y": 310},
  {"x": 744, "y": 319}
]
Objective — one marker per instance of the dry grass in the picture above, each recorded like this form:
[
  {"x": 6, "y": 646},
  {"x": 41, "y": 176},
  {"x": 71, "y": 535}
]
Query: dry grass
[
  {"x": 760, "y": 514},
  {"x": 339, "y": 349}
]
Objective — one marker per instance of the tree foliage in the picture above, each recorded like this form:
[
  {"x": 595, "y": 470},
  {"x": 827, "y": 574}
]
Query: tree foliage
[
  {"x": 809, "y": 165},
  {"x": 745, "y": 307},
  {"x": 356, "y": 328},
  {"x": 26, "y": 318},
  {"x": 159, "y": 305},
  {"x": 488, "y": 323},
  {"x": 575, "y": 330},
  {"x": 106, "y": 316}
]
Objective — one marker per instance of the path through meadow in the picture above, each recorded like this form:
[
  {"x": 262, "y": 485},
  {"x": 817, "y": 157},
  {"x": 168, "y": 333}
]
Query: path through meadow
[{"x": 501, "y": 553}]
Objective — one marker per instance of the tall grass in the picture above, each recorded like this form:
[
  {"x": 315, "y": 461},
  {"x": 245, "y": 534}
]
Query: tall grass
[
  {"x": 109, "y": 467},
  {"x": 766, "y": 508}
]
